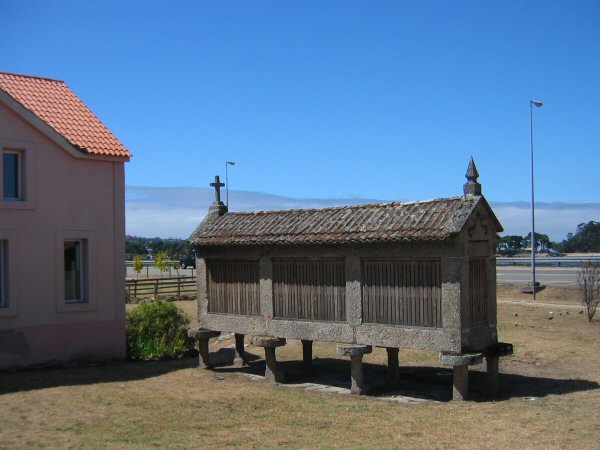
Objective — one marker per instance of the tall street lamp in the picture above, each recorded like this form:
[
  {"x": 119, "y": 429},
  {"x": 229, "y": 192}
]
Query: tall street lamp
[
  {"x": 227, "y": 164},
  {"x": 538, "y": 104}
]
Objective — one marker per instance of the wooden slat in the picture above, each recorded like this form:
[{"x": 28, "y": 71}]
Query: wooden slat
[
  {"x": 478, "y": 290},
  {"x": 402, "y": 292},
  {"x": 309, "y": 289},
  {"x": 233, "y": 287}
]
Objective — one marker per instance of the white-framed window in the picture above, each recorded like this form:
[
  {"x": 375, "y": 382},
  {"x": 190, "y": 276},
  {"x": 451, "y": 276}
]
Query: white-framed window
[
  {"x": 12, "y": 175},
  {"x": 4, "y": 273},
  {"x": 75, "y": 260}
]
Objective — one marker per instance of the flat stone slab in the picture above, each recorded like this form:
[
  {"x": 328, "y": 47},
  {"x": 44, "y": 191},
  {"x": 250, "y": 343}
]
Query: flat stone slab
[
  {"x": 202, "y": 333},
  {"x": 353, "y": 349},
  {"x": 466, "y": 359},
  {"x": 267, "y": 341}
]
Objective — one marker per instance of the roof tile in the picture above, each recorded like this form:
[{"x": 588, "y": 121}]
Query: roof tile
[
  {"x": 54, "y": 103},
  {"x": 435, "y": 219}
]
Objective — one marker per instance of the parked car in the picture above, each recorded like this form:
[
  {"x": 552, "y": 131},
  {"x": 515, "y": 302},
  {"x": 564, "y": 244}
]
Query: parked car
[{"x": 188, "y": 261}]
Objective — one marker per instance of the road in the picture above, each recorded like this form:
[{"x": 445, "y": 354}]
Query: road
[{"x": 545, "y": 275}]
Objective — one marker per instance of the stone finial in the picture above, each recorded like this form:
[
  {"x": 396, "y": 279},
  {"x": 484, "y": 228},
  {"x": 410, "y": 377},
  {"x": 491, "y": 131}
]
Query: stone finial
[{"x": 472, "y": 187}]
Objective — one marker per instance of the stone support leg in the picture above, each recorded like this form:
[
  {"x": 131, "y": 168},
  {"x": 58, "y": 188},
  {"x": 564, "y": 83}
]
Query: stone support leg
[
  {"x": 272, "y": 372},
  {"x": 203, "y": 354},
  {"x": 240, "y": 351},
  {"x": 203, "y": 335},
  {"x": 393, "y": 370},
  {"x": 307, "y": 354},
  {"x": 355, "y": 352},
  {"x": 460, "y": 364},
  {"x": 460, "y": 383},
  {"x": 269, "y": 343},
  {"x": 493, "y": 374},
  {"x": 356, "y": 373}
]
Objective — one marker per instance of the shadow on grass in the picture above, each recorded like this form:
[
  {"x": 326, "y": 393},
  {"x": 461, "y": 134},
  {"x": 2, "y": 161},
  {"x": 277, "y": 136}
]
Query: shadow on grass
[
  {"x": 427, "y": 383},
  {"x": 109, "y": 372}
]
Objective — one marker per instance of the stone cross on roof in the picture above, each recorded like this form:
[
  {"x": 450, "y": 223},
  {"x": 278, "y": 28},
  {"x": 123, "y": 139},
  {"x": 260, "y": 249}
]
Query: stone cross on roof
[{"x": 217, "y": 185}]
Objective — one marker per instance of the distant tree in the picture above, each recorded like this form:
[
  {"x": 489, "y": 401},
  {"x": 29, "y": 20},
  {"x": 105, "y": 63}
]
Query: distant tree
[
  {"x": 510, "y": 245},
  {"x": 136, "y": 245},
  {"x": 588, "y": 280},
  {"x": 585, "y": 239},
  {"x": 138, "y": 264},
  {"x": 542, "y": 242},
  {"x": 161, "y": 261},
  {"x": 177, "y": 266}
]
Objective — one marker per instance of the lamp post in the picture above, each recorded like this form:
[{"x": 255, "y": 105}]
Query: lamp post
[
  {"x": 531, "y": 104},
  {"x": 227, "y": 163}
]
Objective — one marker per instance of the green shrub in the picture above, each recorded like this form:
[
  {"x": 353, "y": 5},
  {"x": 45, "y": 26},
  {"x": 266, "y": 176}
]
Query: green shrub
[{"x": 157, "y": 329}]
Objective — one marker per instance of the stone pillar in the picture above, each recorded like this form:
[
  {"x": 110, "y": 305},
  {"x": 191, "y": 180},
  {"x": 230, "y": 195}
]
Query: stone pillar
[
  {"x": 203, "y": 335},
  {"x": 265, "y": 268},
  {"x": 306, "y": 354},
  {"x": 240, "y": 352},
  {"x": 460, "y": 379},
  {"x": 202, "y": 286},
  {"x": 355, "y": 352},
  {"x": 460, "y": 383},
  {"x": 353, "y": 290},
  {"x": 393, "y": 370},
  {"x": 269, "y": 343},
  {"x": 493, "y": 374},
  {"x": 492, "y": 357},
  {"x": 452, "y": 291}
]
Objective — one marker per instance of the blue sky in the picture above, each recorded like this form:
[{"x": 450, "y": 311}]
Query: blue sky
[{"x": 336, "y": 99}]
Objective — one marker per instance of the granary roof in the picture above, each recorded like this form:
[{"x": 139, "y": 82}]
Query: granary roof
[
  {"x": 58, "y": 107},
  {"x": 437, "y": 219}
]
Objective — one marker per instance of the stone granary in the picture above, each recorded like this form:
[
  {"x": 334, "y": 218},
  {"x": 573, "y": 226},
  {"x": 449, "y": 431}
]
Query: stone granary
[{"x": 415, "y": 275}]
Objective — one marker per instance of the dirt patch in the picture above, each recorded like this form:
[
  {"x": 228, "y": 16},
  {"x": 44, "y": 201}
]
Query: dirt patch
[{"x": 550, "y": 294}]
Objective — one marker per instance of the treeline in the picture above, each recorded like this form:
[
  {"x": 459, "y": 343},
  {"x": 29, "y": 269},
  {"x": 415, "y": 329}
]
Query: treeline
[
  {"x": 585, "y": 239},
  {"x": 136, "y": 245}
]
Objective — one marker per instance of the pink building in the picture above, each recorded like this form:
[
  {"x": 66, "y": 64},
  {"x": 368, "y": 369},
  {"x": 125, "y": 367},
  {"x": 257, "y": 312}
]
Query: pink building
[{"x": 62, "y": 227}]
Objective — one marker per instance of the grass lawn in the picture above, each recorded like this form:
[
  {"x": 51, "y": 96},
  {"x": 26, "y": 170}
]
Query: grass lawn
[{"x": 550, "y": 397}]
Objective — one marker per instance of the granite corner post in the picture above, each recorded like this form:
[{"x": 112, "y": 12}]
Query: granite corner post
[
  {"x": 265, "y": 269},
  {"x": 492, "y": 312},
  {"x": 353, "y": 290},
  {"x": 202, "y": 286},
  {"x": 452, "y": 293}
]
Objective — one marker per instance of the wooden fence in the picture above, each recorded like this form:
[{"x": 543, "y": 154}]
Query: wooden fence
[{"x": 174, "y": 288}]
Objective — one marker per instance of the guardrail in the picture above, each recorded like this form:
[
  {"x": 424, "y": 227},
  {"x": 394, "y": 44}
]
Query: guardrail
[
  {"x": 558, "y": 261},
  {"x": 175, "y": 288}
]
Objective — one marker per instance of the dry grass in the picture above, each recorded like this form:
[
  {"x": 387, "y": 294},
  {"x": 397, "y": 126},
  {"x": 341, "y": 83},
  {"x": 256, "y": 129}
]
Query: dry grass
[{"x": 173, "y": 404}]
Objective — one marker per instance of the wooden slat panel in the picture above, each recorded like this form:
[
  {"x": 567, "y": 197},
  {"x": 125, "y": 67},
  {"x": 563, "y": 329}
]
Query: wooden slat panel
[
  {"x": 233, "y": 287},
  {"x": 402, "y": 292},
  {"x": 309, "y": 289},
  {"x": 478, "y": 290}
]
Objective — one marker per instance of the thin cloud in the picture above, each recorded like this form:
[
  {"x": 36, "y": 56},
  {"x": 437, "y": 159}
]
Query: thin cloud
[{"x": 175, "y": 211}]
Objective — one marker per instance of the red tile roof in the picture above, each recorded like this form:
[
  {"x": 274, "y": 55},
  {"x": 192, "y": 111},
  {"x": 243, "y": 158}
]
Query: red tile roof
[
  {"x": 54, "y": 103},
  {"x": 411, "y": 221}
]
